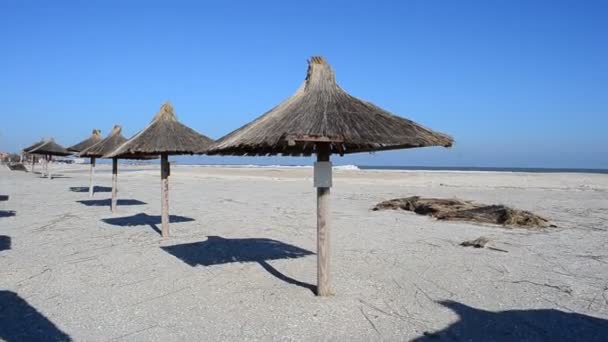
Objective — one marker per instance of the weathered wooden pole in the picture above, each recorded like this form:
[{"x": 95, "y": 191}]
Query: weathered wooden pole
[
  {"x": 114, "y": 183},
  {"x": 164, "y": 194},
  {"x": 91, "y": 174},
  {"x": 33, "y": 162},
  {"x": 48, "y": 167},
  {"x": 322, "y": 180}
]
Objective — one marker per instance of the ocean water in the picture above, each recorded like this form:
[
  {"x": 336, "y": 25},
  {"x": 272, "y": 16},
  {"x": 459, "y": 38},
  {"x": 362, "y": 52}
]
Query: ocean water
[
  {"x": 379, "y": 167},
  {"x": 419, "y": 168},
  {"x": 483, "y": 169}
]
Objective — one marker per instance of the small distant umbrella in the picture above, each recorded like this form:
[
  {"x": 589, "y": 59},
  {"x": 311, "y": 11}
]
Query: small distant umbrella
[
  {"x": 50, "y": 148},
  {"x": 31, "y": 147},
  {"x": 93, "y": 139},
  {"x": 164, "y": 136},
  {"x": 321, "y": 118},
  {"x": 103, "y": 147}
]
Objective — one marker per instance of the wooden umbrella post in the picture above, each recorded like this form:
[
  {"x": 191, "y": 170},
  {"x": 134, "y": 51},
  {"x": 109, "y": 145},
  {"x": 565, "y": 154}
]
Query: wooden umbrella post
[
  {"x": 114, "y": 183},
  {"x": 48, "y": 167},
  {"x": 91, "y": 174},
  {"x": 164, "y": 185},
  {"x": 322, "y": 180},
  {"x": 33, "y": 162}
]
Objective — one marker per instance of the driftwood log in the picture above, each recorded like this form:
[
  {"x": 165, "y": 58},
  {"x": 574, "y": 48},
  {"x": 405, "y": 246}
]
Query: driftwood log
[{"x": 459, "y": 210}]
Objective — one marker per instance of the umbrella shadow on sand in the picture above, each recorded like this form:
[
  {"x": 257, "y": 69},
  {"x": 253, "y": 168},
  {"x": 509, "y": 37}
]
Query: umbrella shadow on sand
[
  {"x": 108, "y": 202},
  {"x": 518, "y": 325},
  {"x": 95, "y": 189},
  {"x": 217, "y": 250},
  {"x": 143, "y": 219},
  {"x": 5, "y": 242},
  {"x": 7, "y": 213},
  {"x": 19, "y": 321}
]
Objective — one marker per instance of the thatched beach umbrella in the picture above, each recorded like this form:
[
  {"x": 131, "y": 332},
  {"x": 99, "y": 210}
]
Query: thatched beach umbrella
[
  {"x": 93, "y": 139},
  {"x": 50, "y": 148},
  {"x": 105, "y": 146},
  {"x": 31, "y": 147},
  {"x": 321, "y": 118},
  {"x": 164, "y": 136}
]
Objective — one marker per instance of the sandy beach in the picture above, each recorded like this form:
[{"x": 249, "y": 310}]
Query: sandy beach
[{"x": 241, "y": 261}]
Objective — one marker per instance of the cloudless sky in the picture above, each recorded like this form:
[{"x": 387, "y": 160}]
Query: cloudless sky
[{"x": 516, "y": 83}]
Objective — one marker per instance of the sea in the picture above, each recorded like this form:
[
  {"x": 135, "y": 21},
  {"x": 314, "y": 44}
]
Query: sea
[
  {"x": 483, "y": 169},
  {"x": 187, "y": 162},
  {"x": 422, "y": 168}
]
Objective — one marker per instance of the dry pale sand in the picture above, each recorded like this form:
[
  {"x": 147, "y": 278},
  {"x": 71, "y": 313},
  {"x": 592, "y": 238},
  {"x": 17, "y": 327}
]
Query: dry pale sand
[{"x": 240, "y": 264}]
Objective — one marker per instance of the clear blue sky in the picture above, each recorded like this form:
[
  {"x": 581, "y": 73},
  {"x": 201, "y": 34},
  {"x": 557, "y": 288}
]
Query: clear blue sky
[{"x": 516, "y": 83}]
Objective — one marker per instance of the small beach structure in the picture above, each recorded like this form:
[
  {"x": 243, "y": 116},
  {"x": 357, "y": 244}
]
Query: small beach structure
[
  {"x": 93, "y": 139},
  {"x": 164, "y": 136},
  {"x": 49, "y": 149},
  {"x": 322, "y": 119},
  {"x": 101, "y": 148}
]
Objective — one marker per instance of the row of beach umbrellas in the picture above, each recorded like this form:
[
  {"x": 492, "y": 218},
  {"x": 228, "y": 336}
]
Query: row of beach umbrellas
[{"x": 320, "y": 118}]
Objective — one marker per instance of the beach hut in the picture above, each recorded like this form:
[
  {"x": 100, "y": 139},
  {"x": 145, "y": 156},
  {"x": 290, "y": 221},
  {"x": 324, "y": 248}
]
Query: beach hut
[
  {"x": 322, "y": 119},
  {"x": 93, "y": 139},
  {"x": 31, "y": 147},
  {"x": 48, "y": 149},
  {"x": 164, "y": 136},
  {"x": 103, "y": 147}
]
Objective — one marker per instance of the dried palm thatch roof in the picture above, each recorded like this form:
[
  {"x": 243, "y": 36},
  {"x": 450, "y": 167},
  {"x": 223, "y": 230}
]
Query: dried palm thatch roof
[
  {"x": 321, "y": 111},
  {"x": 106, "y": 145},
  {"x": 34, "y": 146},
  {"x": 88, "y": 142},
  {"x": 50, "y": 147},
  {"x": 164, "y": 135}
]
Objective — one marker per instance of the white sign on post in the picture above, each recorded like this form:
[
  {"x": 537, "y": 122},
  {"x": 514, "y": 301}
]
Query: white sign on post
[{"x": 322, "y": 175}]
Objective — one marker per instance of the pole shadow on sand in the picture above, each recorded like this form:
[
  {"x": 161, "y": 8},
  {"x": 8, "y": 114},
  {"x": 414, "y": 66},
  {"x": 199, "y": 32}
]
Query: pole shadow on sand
[
  {"x": 217, "y": 250},
  {"x": 5, "y": 243},
  {"x": 56, "y": 176},
  {"x": 518, "y": 325},
  {"x": 108, "y": 202},
  {"x": 19, "y": 321},
  {"x": 143, "y": 219},
  {"x": 95, "y": 189}
]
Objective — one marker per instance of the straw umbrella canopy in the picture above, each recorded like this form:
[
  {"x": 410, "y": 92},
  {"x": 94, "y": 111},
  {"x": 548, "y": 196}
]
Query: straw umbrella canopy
[
  {"x": 164, "y": 136},
  {"x": 93, "y": 139},
  {"x": 34, "y": 146},
  {"x": 105, "y": 146},
  {"x": 50, "y": 148},
  {"x": 323, "y": 119}
]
